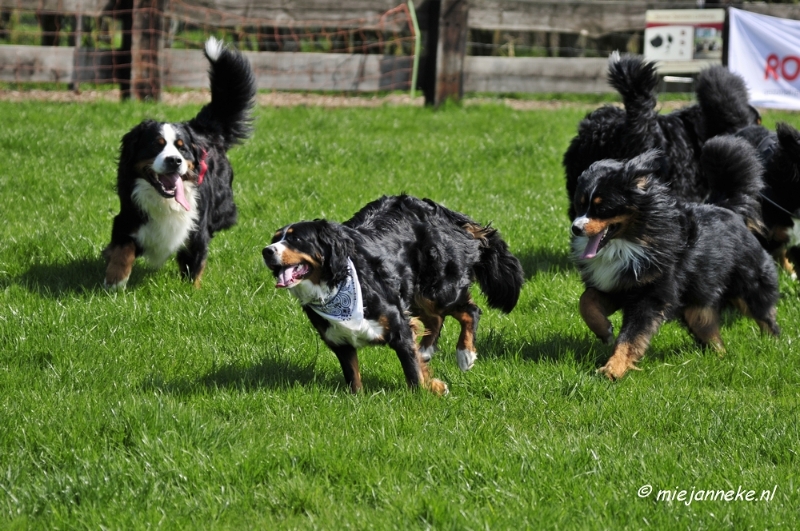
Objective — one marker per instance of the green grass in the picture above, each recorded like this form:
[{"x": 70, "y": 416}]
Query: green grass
[{"x": 219, "y": 408}]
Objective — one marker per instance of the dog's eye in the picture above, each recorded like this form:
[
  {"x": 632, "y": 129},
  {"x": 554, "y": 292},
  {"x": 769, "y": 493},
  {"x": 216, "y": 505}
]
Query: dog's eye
[
  {"x": 162, "y": 142},
  {"x": 179, "y": 143}
]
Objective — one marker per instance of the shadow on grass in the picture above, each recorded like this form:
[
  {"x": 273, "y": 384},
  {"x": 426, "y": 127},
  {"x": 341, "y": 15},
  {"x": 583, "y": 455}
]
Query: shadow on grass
[
  {"x": 269, "y": 373},
  {"x": 79, "y": 276},
  {"x": 551, "y": 348},
  {"x": 539, "y": 261},
  {"x": 56, "y": 280}
]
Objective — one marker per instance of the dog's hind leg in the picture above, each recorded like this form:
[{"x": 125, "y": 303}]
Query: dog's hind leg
[
  {"x": 595, "y": 307},
  {"x": 468, "y": 315},
  {"x": 759, "y": 297},
  {"x": 348, "y": 359},
  {"x": 432, "y": 320},
  {"x": 765, "y": 317},
  {"x": 704, "y": 324},
  {"x": 401, "y": 340}
]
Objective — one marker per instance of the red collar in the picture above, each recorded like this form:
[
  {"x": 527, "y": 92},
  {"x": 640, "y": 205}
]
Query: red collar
[{"x": 203, "y": 167}]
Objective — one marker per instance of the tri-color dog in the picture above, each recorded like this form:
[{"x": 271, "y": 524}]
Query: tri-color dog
[
  {"x": 640, "y": 249},
  {"x": 399, "y": 263},
  {"x": 174, "y": 179}
]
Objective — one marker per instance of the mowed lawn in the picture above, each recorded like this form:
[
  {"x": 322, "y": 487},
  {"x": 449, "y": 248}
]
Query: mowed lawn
[{"x": 165, "y": 406}]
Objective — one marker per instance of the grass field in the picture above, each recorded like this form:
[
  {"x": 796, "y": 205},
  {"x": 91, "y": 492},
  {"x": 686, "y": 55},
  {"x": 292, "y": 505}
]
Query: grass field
[{"x": 169, "y": 407}]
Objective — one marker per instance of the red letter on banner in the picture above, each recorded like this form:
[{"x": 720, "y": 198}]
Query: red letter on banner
[
  {"x": 786, "y": 75},
  {"x": 772, "y": 66}
]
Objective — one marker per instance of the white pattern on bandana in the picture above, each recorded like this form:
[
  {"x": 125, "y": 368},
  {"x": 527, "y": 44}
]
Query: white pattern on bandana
[{"x": 345, "y": 306}]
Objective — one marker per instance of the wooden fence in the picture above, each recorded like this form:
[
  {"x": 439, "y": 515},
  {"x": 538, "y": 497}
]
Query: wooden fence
[{"x": 144, "y": 61}]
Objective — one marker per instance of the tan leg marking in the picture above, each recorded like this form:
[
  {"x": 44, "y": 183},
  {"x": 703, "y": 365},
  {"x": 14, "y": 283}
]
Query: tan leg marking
[
  {"x": 763, "y": 325},
  {"x": 120, "y": 263},
  {"x": 199, "y": 275},
  {"x": 426, "y": 380},
  {"x": 466, "y": 340},
  {"x": 704, "y": 323},
  {"x": 627, "y": 353},
  {"x": 624, "y": 359}
]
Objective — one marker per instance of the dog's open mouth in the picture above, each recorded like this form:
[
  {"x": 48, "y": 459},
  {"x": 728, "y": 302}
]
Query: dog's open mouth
[
  {"x": 291, "y": 275},
  {"x": 170, "y": 185},
  {"x": 599, "y": 240}
]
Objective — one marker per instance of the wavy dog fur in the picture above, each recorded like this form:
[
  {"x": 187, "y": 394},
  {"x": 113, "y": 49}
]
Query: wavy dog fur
[
  {"x": 415, "y": 261},
  {"x": 779, "y": 152},
  {"x": 681, "y": 260},
  {"x": 174, "y": 179},
  {"x": 614, "y": 133}
]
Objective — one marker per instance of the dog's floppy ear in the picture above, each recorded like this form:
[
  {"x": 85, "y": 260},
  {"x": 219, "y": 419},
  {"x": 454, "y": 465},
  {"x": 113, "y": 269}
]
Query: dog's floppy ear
[
  {"x": 338, "y": 247},
  {"x": 647, "y": 166},
  {"x": 130, "y": 143}
]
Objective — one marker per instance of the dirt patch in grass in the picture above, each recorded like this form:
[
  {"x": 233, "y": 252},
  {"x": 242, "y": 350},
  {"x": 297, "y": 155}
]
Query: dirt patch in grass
[{"x": 289, "y": 99}]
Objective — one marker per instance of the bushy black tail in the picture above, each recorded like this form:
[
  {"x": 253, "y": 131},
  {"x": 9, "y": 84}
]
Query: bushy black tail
[
  {"x": 233, "y": 89},
  {"x": 499, "y": 273},
  {"x": 723, "y": 97},
  {"x": 789, "y": 140},
  {"x": 636, "y": 80},
  {"x": 733, "y": 170}
]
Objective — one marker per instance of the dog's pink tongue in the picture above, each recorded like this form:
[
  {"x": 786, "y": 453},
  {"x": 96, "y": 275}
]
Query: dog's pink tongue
[
  {"x": 285, "y": 277},
  {"x": 591, "y": 247},
  {"x": 180, "y": 196}
]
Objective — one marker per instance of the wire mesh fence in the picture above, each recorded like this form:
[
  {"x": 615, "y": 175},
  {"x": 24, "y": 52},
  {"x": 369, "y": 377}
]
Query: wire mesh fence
[{"x": 157, "y": 46}]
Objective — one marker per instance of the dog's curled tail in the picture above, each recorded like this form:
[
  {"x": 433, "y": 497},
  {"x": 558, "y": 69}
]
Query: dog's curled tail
[
  {"x": 636, "y": 80},
  {"x": 723, "y": 97},
  {"x": 499, "y": 273},
  {"x": 233, "y": 91},
  {"x": 733, "y": 170}
]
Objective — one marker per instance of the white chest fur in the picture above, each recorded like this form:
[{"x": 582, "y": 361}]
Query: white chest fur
[
  {"x": 604, "y": 270},
  {"x": 357, "y": 332},
  {"x": 169, "y": 224},
  {"x": 369, "y": 332}
]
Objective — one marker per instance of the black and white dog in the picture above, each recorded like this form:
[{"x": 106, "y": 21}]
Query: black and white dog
[
  {"x": 398, "y": 263},
  {"x": 174, "y": 179}
]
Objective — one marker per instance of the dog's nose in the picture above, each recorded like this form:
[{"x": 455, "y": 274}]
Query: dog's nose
[
  {"x": 579, "y": 226},
  {"x": 268, "y": 253},
  {"x": 172, "y": 163}
]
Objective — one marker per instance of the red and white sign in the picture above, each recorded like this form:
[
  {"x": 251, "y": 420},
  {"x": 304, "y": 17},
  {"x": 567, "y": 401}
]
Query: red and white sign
[{"x": 765, "y": 51}]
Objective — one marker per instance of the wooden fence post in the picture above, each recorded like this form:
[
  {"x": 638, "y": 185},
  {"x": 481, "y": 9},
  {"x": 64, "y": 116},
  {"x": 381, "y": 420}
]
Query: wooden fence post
[
  {"x": 450, "y": 50},
  {"x": 147, "y": 49}
]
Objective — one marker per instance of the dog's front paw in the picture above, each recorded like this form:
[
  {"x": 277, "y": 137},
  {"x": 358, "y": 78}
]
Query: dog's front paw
[
  {"x": 112, "y": 284},
  {"x": 617, "y": 366},
  {"x": 120, "y": 263},
  {"x": 438, "y": 387},
  {"x": 466, "y": 359}
]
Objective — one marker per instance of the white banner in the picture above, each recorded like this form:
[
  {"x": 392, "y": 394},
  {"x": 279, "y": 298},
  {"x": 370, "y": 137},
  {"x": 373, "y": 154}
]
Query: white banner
[{"x": 765, "y": 51}]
